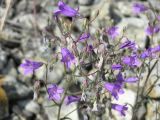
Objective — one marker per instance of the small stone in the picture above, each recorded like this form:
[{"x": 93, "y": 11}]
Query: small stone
[
  {"x": 86, "y": 2},
  {"x": 29, "y": 115},
  {"x": 3, "y": 58},
  {"x": 17, "y": 91},
  {"x": 32, "y": 107}
]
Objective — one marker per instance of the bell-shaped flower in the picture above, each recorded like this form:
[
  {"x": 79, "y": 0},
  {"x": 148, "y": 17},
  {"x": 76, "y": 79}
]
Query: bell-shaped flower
[
  {"x": 114, "y": 88},
  {"x": 128, "y": 44},
  {"x": 113, "y": 32},
  {"x": 67, "y": 57},
  {"x": 55, "y": 92},
  {"x": 131, "y": 61},
  {"x": 30, "y": 66},
  {"x": 150, "y": 52},
  {"x": 72, "y": 98},
  {"x": 65, "y": 10},
  {"x": 120, "y": 108}
]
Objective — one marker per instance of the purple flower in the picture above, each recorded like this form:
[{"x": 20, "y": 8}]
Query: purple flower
[
  {"x": 116, "y": 67},
  {"x": 119, "y": 78},
  {"x": 84, "y": 36},
  {"x": 131, "y": 61},
  {"x": 113, "y": 32},
  {"x": 127, "y": 44},
  {"x": 155, "y": 49},
  {"x": 65, "y": 10},
  {"x": 114, "y": 88},
  {"x": 150, "y": 30},
  {"x": 131, "y": 79},
  {"x": 54, "y": 92},
  {"x": 72, "y": 98},
  {"x": 120, "y": 108},
  {"x": 67, "y": 57},
  {"x": 30, "y": 66},
  {"x": 139, "y": 8},
  {"x": 150, "y": 52},
  {"x": 146, "y": 53}
]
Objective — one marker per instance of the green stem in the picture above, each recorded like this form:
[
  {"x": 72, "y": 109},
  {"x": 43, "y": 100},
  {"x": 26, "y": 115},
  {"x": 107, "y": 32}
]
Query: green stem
[{"x": 59, "y": 111}]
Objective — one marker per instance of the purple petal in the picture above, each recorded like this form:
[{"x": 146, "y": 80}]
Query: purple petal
[
  {"x": 131, "y": 61},
  {"x": 115, "y": 95},
  {"x": 120, "y": 108},
  {"x": 119, "y": 78},
  {"x": 127, "y": 44},
  {"x": 56, "y": 97},
  {"x": 57, "y": 12},
  {"x": 67, "y": 57},
  {"x": 28, "y": 71},
  {"x": 84, "y": 36},
  {"x": 139, "y": 8},
  {"x": 116, "y": 67},
  {"x": 54, "y": 92},
  {"x": 29, "y": 66},
  {"x": 137, "y": 63},
  {"x": 121, "y": 91},
  {"x": 67, "y": 10},
  {"x": 114, "y": 89},
  {"x": 150, "y": 52},
  {"x": 71, "y": 99},
  {"x": 150, "y": 30},
  {"x": 109, "y": 86},
  {"x": 60, "y": 90},
  {"x": 155, "y": 49},
  {"x": 145, "y": 54},
  {"x": 113, "y": 32},
  {"x": 131, "y": 79}
]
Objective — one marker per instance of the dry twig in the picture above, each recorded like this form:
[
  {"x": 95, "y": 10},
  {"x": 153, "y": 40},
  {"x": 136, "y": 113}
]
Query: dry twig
[{"x": 2, "y": 22}]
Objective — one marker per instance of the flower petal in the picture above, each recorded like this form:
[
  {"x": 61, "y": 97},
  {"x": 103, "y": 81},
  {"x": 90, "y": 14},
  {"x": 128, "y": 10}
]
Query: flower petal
[{"x": 131, "y": 79}]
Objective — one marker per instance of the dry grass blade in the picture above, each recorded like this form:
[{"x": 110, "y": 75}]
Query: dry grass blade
[{"x": 2, "y": 22}]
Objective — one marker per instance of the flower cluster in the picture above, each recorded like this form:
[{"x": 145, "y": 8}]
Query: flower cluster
[
  {"x": 121, "y": 54},
  {"x": 55, "y": 94},
  {"x": 116, "y": 89}
]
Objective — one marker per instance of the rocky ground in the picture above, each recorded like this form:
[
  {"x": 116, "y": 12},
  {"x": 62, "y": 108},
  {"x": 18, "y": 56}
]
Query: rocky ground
[{"x": 24, "y": 36}]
